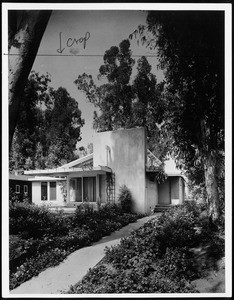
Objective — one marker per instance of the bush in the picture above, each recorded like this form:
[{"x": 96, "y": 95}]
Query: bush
[
  {"x": 42, "y": 233},
  {"x": 141, "y": 278},
  {"x": 157, "y": 257},
  {"x": 33, "y": 266},
  {"x": 178, "y": 263},
  {"x": 125, "y": 199},
  {"x": 13, "y": 198},
  {"x": 34, "y": 221}
]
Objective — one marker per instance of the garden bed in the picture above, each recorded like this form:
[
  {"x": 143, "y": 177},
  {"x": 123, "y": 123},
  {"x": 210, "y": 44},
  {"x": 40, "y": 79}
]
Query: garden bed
[
  {"x": 166, "y": 255},
  {"x": 40, "y": 239}
]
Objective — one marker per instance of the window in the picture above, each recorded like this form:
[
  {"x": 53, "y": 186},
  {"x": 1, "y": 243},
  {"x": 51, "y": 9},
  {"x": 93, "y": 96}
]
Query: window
[
  {"x": 17, "y": 189},
  {"x": 44, "y": 191},
  {"x": 25, "y": 189},
  {"x": 52, "y": 190},
  {"x": 89, "y": 189},
  {"x": 79, "y": 190},
  {"x": 83, "y": 189}
]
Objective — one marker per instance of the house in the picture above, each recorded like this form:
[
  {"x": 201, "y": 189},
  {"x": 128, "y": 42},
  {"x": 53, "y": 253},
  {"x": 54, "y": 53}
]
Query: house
[
  {"x": 21, "y": 186},
  {"x": 119, "y": 158},
  {"x": 48, "y": 190}
]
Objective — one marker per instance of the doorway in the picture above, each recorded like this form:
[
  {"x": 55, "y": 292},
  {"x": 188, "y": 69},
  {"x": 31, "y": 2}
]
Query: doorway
[{"x": 164, "y": 192}]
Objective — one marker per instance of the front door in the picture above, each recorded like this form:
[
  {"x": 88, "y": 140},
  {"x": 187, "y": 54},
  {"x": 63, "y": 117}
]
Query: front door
[{"x": 164, "y": 193}]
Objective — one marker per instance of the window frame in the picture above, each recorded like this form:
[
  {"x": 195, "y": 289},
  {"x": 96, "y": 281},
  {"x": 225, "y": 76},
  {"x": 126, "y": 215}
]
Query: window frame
[
  {"x": 43, "y": 182},
  {"x": 17, "y": 189},
  {"x": 89, "y": 180},
  {"x": 49, "y": 183},
  {"x": 26, "y": 191}
]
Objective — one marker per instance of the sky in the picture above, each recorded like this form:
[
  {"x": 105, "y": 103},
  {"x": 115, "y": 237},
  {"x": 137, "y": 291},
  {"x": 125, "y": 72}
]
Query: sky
[{"x": 100, "y": 29}]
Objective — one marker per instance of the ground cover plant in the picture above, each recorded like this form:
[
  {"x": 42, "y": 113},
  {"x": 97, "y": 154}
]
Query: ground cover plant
[
  {"x": 40, "y": 238},
  {"x": 163, "y": 256}
]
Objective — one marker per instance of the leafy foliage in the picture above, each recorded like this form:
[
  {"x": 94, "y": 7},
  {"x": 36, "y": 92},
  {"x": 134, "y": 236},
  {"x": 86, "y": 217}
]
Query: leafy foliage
[
  {"x": 40, "y": 238},
  {"x": 158, "y": 257},
  {"x": 161, "y": 175},
  {"x": 35, "y": 221},
  {"x": 123, "y": 101},
  {"x": 125, "y": 199},
  {"x": 190, "y": 47},
  {"x": 13, "y": 197},
  {"x": 48, "y": 128}
]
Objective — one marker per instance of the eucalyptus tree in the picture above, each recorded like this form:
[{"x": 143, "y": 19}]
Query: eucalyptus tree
[
  {"x": 25, "y": 31},
  {"x": 190, "y": 48},
  {"x": 125, "y": 100},
  {"x": 49, "y": 126}
]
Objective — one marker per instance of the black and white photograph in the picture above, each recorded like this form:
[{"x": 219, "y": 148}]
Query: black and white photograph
[{"x": 116, "y": 150}]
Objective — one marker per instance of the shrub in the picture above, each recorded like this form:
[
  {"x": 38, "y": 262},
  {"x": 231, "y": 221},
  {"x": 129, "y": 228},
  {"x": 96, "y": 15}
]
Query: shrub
[
  {"x": 13, "y": 198},
  {"x": 157, "y": 257},
  {"x": 178, "y": 263},
  {"x": 41, "y": 232},
  {"x": 141, "y": 278},
  {"x": 33, "y": 266},
  {"x": 125, "y": 199},
  {"x": 82, "y": 215},
  {"x": 34, "y": 221}
]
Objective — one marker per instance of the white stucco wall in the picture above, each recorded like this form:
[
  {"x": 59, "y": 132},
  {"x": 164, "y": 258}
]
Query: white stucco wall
[
  {"x": 126, "y": 158},
  {"x": 151, "y": 195},
  {"x": 36, "y": 195}
]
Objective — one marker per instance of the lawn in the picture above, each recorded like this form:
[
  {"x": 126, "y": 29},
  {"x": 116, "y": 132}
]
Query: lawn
[
  {"x": 171, "y": 254},
  {"x": 40, "y": 238}
]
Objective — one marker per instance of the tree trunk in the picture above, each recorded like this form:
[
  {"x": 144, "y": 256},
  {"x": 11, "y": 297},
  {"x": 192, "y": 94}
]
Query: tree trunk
[
  {"x": 24, "y": 41},
  {"x": 212, "y": 188}
]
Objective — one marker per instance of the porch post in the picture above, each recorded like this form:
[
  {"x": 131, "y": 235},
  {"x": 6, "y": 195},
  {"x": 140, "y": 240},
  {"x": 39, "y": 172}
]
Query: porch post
[
  {"x": 82, "y": 189},
  {"x": 156, "y": 193},
  {"x": 97, "y": 188},
  {"x": 48, "y": 191},
  {"x": 68, "y": 189},
  {"x": 180, "y": 190},
  {"x": 75, "y": 189}
]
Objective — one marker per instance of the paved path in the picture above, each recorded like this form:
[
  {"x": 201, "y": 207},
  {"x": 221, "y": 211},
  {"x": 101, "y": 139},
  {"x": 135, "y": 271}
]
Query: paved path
[{"x": 56, "y": 279}]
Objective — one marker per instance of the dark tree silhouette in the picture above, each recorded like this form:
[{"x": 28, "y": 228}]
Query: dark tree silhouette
[{"x": 25, "y": 31}]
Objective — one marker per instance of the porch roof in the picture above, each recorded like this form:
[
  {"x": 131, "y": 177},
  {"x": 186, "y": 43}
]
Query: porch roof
[
  {"x": 77, "y": 162},
  {"x": 46, "y": 178},
  {"x": 19, "y": 177},
  {"x": 71, "y": 171}
]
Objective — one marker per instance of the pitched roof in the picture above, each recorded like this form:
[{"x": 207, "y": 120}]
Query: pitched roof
[{"x": 78, "y": 162}]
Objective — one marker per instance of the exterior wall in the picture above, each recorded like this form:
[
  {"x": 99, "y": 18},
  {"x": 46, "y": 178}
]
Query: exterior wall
[
  {"x": 36, "y": 195},
  {"x": 151, "y": 195},
  {"x": 21, "y": 183},
  {"x": 124, "y": 151}
]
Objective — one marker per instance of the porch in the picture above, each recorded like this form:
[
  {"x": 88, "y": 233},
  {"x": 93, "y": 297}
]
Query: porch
[{"x": 91, "y": 187}]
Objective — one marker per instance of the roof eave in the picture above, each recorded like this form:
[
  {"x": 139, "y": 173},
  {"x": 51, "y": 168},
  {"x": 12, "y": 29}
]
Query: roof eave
[
  {"x": 77, "y": 161},
  {"x": 68, "y": 171}
]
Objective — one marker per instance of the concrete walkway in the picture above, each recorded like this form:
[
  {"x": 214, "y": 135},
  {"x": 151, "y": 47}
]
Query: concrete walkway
[{"x": 56, "y": 279}]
